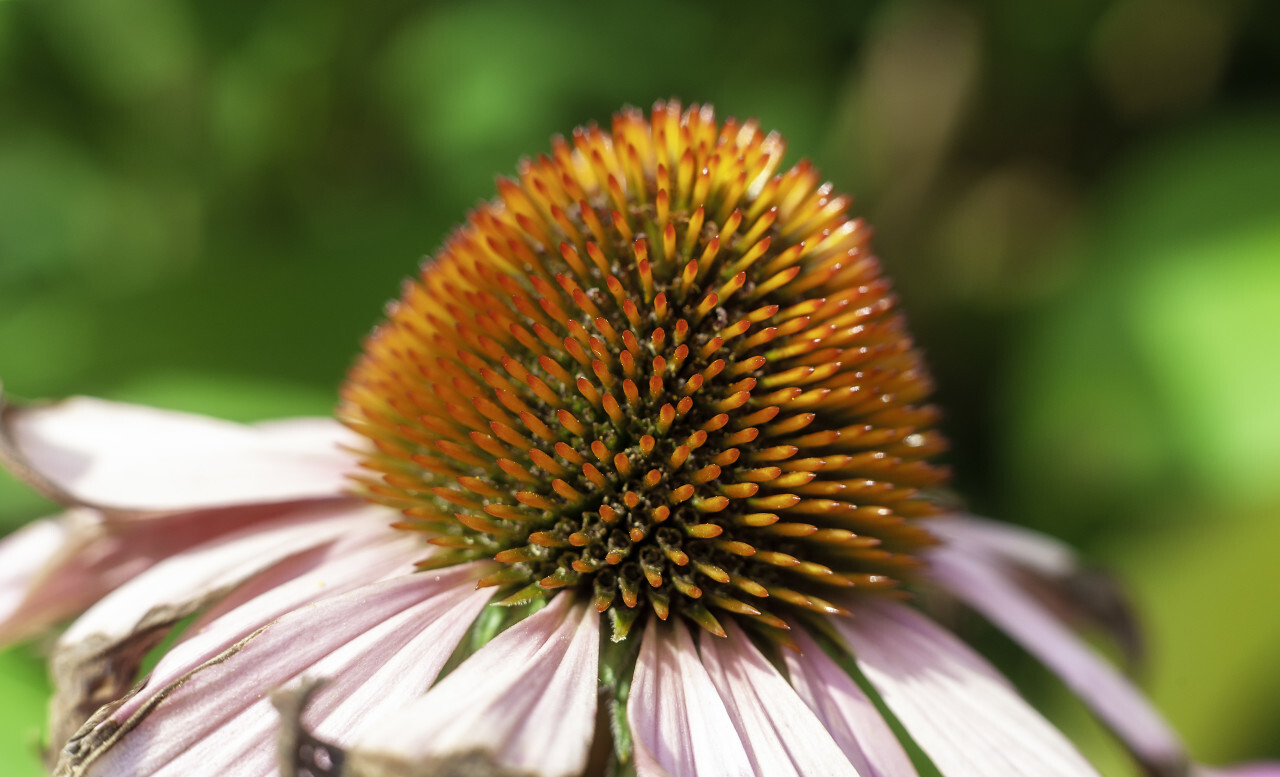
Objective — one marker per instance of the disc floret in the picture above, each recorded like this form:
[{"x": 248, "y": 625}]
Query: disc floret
[{"x": 656, "y": 372}]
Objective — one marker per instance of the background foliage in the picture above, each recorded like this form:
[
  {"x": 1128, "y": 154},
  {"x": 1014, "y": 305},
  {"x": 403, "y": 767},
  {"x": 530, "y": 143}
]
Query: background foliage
[{"x": 204, "y": 205}]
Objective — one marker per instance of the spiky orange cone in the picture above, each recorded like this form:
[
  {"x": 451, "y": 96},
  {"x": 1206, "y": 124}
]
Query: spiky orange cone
[{"x": 658, "y": 372}]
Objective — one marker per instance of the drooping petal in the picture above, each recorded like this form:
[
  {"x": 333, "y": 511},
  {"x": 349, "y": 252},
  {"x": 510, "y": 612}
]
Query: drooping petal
[
  {"x": 97, "y": 658},
  {"x": 131, "y": 458},
  {"x": 1049, "y": 571},
  {"x": 1016, "y": 544},
  {"x": 965, "y": 716},
  {"x": 291, "y": 585},
  {"x": 1259, "y": 769},
  {"x": 849, "y": 716},
  {"x": 680, "y": 727},
  {"x": 54, "y": 568},
  {"x": 382, "y": 643},
  {"x": 1108, "y": 693},
  {"x": 32, "y": 596},
  {"x": 208, "y": 571},
  {"x": 782, "y": 736},
  {"x": 525, "y": 702}
]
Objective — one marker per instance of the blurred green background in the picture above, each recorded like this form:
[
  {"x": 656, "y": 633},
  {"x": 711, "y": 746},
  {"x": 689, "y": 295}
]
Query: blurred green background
[{"x": 204, "y": 206}]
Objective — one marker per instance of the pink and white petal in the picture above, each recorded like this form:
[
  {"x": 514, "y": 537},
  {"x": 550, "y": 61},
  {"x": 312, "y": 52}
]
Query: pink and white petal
[
  {"x": 525, "y": 702},
  {"x": 124, "y": 457},
  {"x": 207, "y": 572},
  {"x": 848, "y": 715},
  {"x": 1108, "y": 693},
  {"x": 97, "y": 658},
  {"x": 1049, "y": 571},
  {"x": 1007, "y": 542},
  {"x": 55, "y": 568},
  {"x": 293, "y": 584},
  {"x": 783, "y": 737},
  {"x": 961, "y": 712},
  {"x": 680, "y": 727},
  {"x": 349, "y": 698},
  {"x": 35, "y": 563},
  {"x": 389, "y": 637},
  {"x": 310, "y": 433},
  {"x": 1259, "y": 769}
]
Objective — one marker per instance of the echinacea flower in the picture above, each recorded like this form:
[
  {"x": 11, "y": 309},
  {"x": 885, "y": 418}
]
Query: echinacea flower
[{"x": 635, "y": 478}]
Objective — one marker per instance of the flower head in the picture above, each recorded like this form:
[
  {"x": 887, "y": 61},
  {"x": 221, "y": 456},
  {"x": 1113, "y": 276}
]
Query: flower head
[
  {"x": 651, "y": 437},
  {"x": 658, "y": 374}
]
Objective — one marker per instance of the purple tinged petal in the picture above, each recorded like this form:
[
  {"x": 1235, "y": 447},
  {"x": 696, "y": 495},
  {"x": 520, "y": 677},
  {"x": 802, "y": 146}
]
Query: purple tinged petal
[
  {"x": 121, "y": 457},
  {"x": 1050, "y": 572},
  {"x": 961, "y": 712},
  {"x": 97, "y": 658},
  {"x": 783, "y": 737},
  {"x": 1101, "y": 686},
  {"x": 1259, "y": 769},
  {"x": 206, "y": 572},
  {"x": 57, "y": 567},
  {"x": 290, "y": 586},
  {"x": 387, "y": 640},
  {"x": 679, "y": 725},
  {"x": 1015, "y": 544},
  {"x": 525, "y": 702},
  {"x": 850, "y": 717},
  {"x": 44, "y": 576}
]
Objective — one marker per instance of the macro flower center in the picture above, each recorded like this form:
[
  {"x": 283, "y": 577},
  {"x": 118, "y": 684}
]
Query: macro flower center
[{"x": 659, "y": 374}]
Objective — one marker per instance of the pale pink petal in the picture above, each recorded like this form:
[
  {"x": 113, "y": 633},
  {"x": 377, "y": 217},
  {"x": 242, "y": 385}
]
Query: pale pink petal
[
  {"x": 210, "y": 570},
  {"x": 55, "y": 568},
  {"x": 291, "y": 585},
  {"x": 311, "y": 433},
  {"x": 783, "y": 737},
  {"x": 1015, "y": 544},
  {"x": 965, "y": 716},
  {"x": 1259, "y": 769},
  {"x": 525, "y": 702},
  {"x": 679, "y": 725},
  {"x": 391, "y": 682},
  {"x": 96, "y": 659},
  {"x": 29, "y": 559},
  {"x": 382, "y": 643},
  {"x": 849, "y": 716},
  {"x": 1049, "y": 571},
  {"x": 127, "y": 457},
  {"x": 1109, "y": 694}
]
